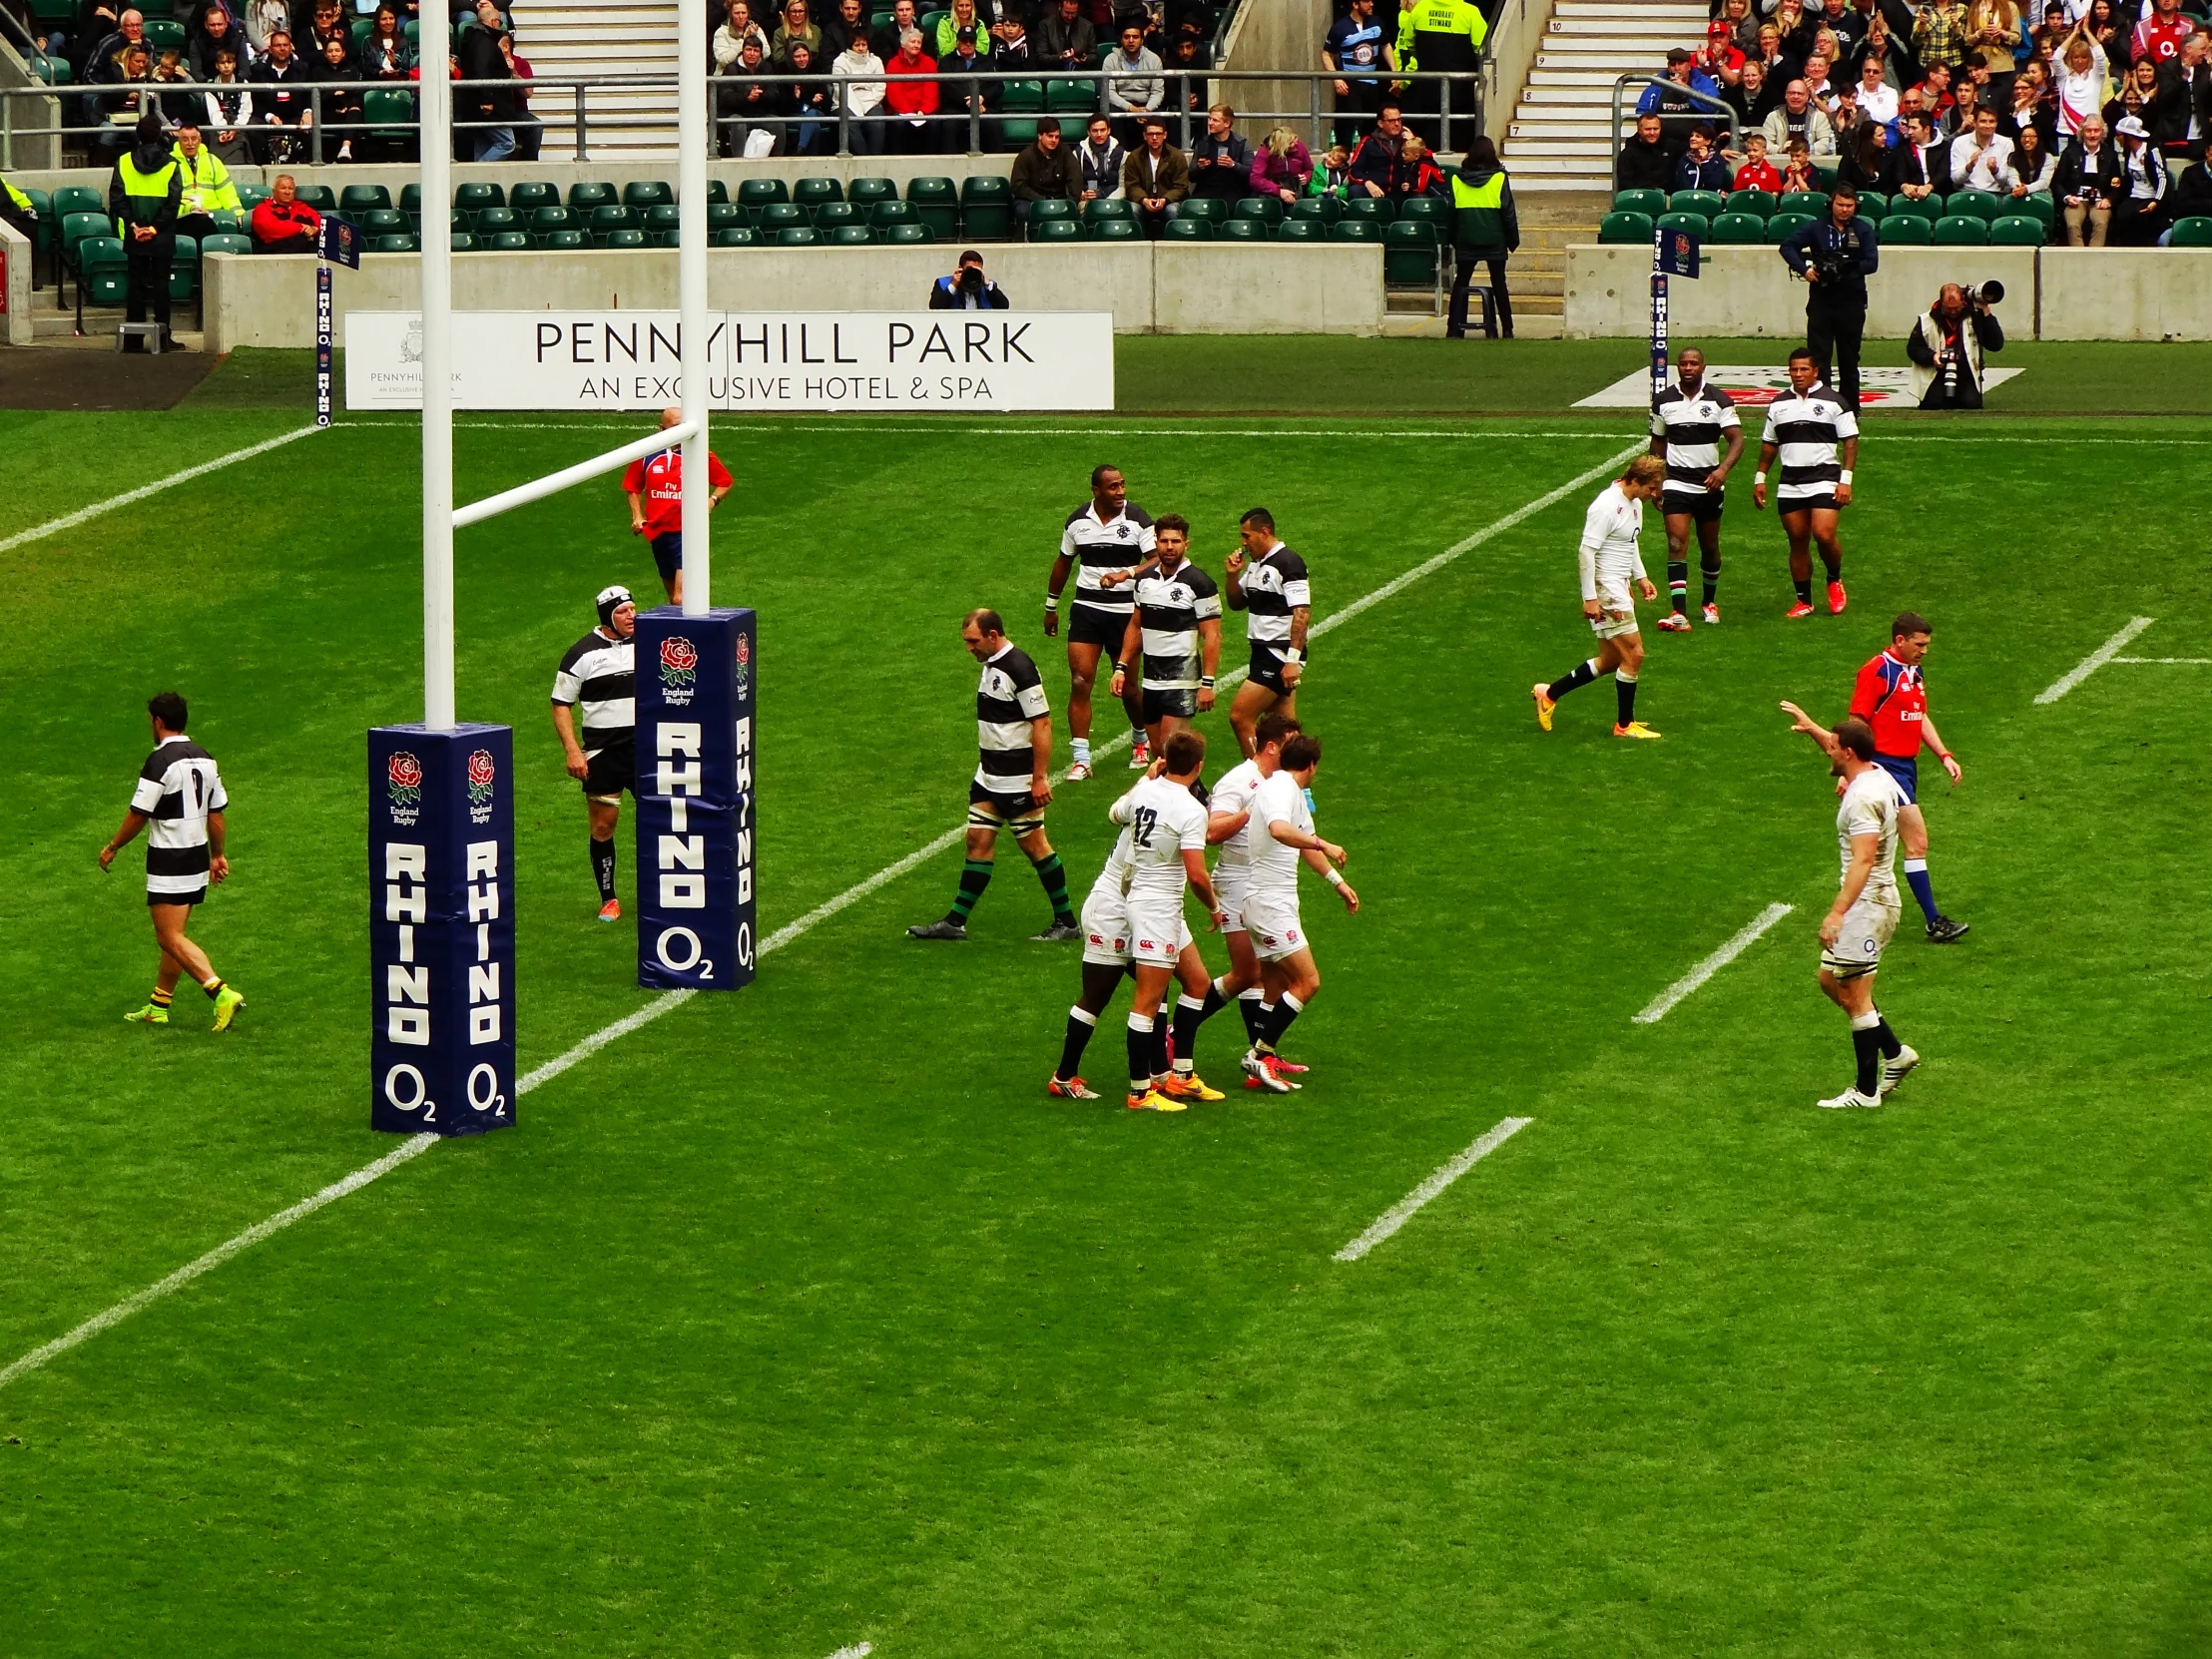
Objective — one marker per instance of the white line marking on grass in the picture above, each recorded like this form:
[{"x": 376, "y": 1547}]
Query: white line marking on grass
[
  {"x": 2199, "y": 662},
  {"x": 2095, "y": 660},
  {"x": 787, "y": 934},
  {"x": 85, "y": 515},
  {"x": 412, "y": 1147},
  {"x": 1160, "y": 431},
  {"x": 1745, "y": 938},
  {"x": 1398, "y": 1214},
  {"x": 859, "y": 1650}
]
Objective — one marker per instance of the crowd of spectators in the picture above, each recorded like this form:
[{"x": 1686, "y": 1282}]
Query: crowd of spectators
[
  {"x": 252, "y": 75},
  {"x": 904, "y": 90},
  {"x": 2101, "y": 106}
]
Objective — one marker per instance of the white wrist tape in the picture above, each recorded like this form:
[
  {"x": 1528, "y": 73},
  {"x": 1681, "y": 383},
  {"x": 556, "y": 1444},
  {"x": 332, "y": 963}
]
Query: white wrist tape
[
  {"x": 1334, "y": 878},
  {"x": 1844, "y": 477}
]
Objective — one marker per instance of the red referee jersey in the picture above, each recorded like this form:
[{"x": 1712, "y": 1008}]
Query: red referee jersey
[
  {"x": 1890, "y": 698},
  {"x": 660, "y": 479}
]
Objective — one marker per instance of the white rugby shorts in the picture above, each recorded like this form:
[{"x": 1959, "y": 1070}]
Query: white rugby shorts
[
  {"x": 1157, "y": 934},
  {"x": 1106, "y": 929},
  {"x": 1868, "y": 926},
  {"x": 1230, "y": 887},
  {"x": 1274, "y": 924},
  {"x": 1616, "y": 612}
]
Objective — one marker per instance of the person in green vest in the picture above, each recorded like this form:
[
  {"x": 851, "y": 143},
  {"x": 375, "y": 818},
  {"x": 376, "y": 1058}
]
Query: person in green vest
[
  {"x": 207, "y": 187},
  {"x": 1484, "y": 227},
  {"x": 18, "y": 209},
  {"x": 1448, "y": 37},
  {"x": 144, "y": 195}
]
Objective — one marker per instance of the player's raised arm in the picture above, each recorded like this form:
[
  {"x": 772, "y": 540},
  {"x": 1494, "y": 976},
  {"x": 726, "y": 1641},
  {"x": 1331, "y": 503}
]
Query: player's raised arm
[
  {"x": 1233, "y": 568},
  {"x": 1821, "y": 735}
]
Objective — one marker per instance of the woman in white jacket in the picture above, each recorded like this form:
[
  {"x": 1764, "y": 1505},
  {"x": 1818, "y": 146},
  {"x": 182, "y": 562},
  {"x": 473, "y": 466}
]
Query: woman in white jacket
[
  {"x": 730, "y": 39},
  {"x": 862, "y": 73}
]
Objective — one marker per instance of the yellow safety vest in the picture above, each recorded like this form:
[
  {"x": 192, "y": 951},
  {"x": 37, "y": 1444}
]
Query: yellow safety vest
[
  {"x": 151, "y": 189},
  {"x": 16, "y": 196},
  {"x": 207, "y": 187}
]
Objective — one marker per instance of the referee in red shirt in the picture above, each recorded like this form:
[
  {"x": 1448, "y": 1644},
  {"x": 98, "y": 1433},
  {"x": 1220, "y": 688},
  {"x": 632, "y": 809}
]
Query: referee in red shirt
[
  {"x": 655, "y": 486},
  {"x": 1891, "y": 698}
]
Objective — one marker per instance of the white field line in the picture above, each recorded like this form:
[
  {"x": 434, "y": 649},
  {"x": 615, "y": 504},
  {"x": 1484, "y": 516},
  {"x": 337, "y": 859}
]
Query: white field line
[
  {"x": 669, "y": 1000},
  {"x": 85, "y": 515},
  {"x": 412, "y": 1147},
  {"x": 1398, "y": 1214},
  {"x": 1747, "y": 937},
  {"x": 2095, "y": 660},
  {"x": 765, "y": 428},
  {"x": 2196, "y": 661},
  {"x": 859, "y": 1650}
]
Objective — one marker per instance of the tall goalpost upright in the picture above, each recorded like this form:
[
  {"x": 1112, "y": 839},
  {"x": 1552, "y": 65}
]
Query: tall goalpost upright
[{"x": 441, "y": 791}]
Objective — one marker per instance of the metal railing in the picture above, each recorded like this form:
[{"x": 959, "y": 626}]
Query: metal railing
[
  {"x": 1707, "y": 102},
  {"x": 1450, "y": 111}
]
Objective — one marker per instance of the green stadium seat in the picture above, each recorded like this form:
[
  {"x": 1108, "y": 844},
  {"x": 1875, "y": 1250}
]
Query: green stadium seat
[
  {"x": 1054, "y": 229},
  {"x": 588, "y": 194},
  {"x": 717, "y": 190},
  {"x": 735, "y": 236},
  {"x": 470, "y": 199},
  {"x": 1697, "y": 224},
  {"x": 382, "y": 221},
  {"x": 1212, "y": 209},
  {"x": 865, "y": 193},
  {"x": 361, "y": 199},
  {"x": 388, "y": 114},
  {"x": 1708, "y": 202},
  {"x": 102, "y": 278},
  {"x": 628, "y": 236},
  {"x": 320, "y": 196},
  {"x": 722, "y": 215},
  {"x": 2026, "y": 230},
  {"x": 1010, "y": 137},
  {"x": 986, "y": 208},
  {"x": 1267, "y": 209},
  {"x": 1812, "y": 201},
  {"x": 1302, "y": 229},
  {"x": 1760, "y": 203},
  {"x": 1380, "y": 209},
  {"x": 851, "y": 235},
  {"x": 491, "y": 222},
  {"x": 2193, "y": 232},
  {"x": 642, "y": 193},
  {"x": 226, "y": 243},
  {"x": 831, "y": 216},
  {"x": 606, "y": 217},
  {"x": 164, "y": 34},
  {"x": 812, "y": 193},
  {"x": 1022, "y": 97},
  {"x": 1105, "y": 208},
  {"x": 1979, "y": 202},
  {"x": 1359, "y": 229},
  {"x": 1070, "y": 97},
  {"x": 888, "y": 214},
  {"x": 1908, "y": 230},
  {"x": 1325, "y": 210},
  {"x": 910, "y": 233},
  {"x": 1734, "y": 230},
  {"x": 663, "y": 223},
  {"x": 362, "y": 27},
  {"x": 1961, "y": 231},
  {"x": 1409, "y": 253},
  {"x": 775, "y": 217},
  {"x": 1625, "y": 226},
  {"x": 936, "y": 203},
  {"x": 795, "y": 236},
  {"x": 526, "y": 199},
  {"x": 55, "y": 72},
  {"x": 1243, "y": 229},
  {"x": 1042, "y": 214},
  {"x": 545, "y": 221},
  {"x": 2038, "y": 207},
  {"x": 463, "y": 243},
  {"x": 399, "y": 243},
  {"x": 508, "y": 241},
  {"x": 1785, "y": 226},
  {"x": 183, "y": 271},
  {"x": 564, "y": 241},
  {"x": 1431, "y": 207},
  {"x": 80, "y": 226},
  {"x": 757, "y": 195},
  {"x": 1650, "y": 203},
  {"x": 1190, "y": 230}
]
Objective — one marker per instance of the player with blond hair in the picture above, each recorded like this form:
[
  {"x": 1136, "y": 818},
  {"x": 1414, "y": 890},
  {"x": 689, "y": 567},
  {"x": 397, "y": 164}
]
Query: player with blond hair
[{"x": 1610, "y": 561}]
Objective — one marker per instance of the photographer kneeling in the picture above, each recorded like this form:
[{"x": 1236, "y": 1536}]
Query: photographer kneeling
[
  {"x": 1836, "y": 256},
  {"x": 1946, "y": 344},
  {"x": 968, "y": 289}
]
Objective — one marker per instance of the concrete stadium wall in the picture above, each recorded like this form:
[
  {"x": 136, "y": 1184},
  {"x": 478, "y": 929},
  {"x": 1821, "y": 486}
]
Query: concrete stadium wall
[
  {"x": 20, "y": 329},
  {"x": 2134, "y": 293},
  {"x": 1276, "y": 34},
  {"x": 1151, "y": 288},
  {"x": 1511, "y": 52},
  {"x": 1748, "y": 292}
]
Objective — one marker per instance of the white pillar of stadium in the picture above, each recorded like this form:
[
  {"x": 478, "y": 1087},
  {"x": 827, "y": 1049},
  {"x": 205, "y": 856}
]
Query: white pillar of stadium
[{"x": 439, "y": 521}]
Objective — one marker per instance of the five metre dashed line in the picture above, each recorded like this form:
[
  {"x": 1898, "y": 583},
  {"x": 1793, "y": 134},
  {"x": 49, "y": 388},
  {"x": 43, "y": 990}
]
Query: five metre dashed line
[
  {"x": 1746, "y": 937},
  {"x": 670, "y": 1000},
  {"x": 2095, "y": 660},
  {"x": 1398, "y": 1214}
]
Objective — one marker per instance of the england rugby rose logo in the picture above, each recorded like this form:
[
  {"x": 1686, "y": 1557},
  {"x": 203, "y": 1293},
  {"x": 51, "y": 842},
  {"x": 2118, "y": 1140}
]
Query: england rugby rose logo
[
  {"x": 679, "y": 661},
  {"x": 403, "y": 775},
  {"x": 744, "y": 664},
  {"x": 481, "y": 774}
]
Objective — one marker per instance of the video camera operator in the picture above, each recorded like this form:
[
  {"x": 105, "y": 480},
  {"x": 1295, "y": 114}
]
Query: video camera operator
[
  {"x": 967, "y": 288},
  {"x": 1946, "y": 344},
  {"x": 1836, "y": 256}
]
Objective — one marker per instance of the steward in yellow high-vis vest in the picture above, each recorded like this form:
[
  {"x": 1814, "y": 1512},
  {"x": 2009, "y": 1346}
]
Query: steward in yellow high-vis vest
[
  {"x": 18, "y": 209},
  {"x": 1447, "y": 37},
  {"x": 1485, "y": 229},
  {"x": 144, "y": 195},
  {"x": 207, "y": 187}
]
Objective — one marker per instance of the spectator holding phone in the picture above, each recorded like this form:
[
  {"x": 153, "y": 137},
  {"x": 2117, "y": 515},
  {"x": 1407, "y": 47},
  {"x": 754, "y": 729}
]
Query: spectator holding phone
[{"x": 2089, "y": 182}]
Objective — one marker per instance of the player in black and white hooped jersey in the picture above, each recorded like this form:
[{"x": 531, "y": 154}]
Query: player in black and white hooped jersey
[
  {"x": 1690, "y": 423},
  {"x": 1107, "y": 534},
  {"x": 1012, "y": 784},
  {"x": 1269, "y": 583},
  {"x": 1173, "y": 642},
  {"x": 179, "y": 801},
  {"x": 1816, "y": 440},
  {"x": 597, "y": 681}
]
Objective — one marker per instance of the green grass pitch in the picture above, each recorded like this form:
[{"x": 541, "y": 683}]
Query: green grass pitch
[{"x": 801, "y": 1318}]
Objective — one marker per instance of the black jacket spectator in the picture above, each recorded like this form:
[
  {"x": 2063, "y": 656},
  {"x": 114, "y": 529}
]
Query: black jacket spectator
[
  {"x": 481, "y": 60},
  {"x": 2078, "y": 175},
  {"x": 1645, "y": 163},
  {"x": 1047, "y": 176},
  {"x": 1911, "y": 165},
  {"x": 2192, "y": 196},
  {"x": 1061, "y": 39},
  {"x": 213, "y": 30},
  {"x": 1231, "y": 182},
  {"x": 280, "y": 89},
  {"x": 2183, "y": 92},
  {"x": 1374, "y": 161}
]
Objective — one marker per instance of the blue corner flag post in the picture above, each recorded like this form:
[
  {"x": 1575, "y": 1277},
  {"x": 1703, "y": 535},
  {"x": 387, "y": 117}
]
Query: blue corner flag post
[
  {"x": 340, "y": 242},
  {"x": 695, "y": 689},
  {"x": 1673, "y": 254}
]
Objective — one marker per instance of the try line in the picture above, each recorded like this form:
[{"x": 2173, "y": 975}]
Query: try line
[
  {"x": 2097, "y": 659},
  {"x": 1745, "y": 938},
  {"x": 1398, "y": 1214},
  {"x": 414, "y": 1146}
]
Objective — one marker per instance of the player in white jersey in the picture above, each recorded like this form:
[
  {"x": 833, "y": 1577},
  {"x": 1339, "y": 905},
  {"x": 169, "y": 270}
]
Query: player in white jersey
[
  {"x": 1611, "y": 561},
  {"x": 1231, "y": 804},
  {"x": 1865, "y": 914},
  {"x": 1133, "y": 924},
  {"x": 180, "y": 794},
  {"x": 1817, "y": 438},
  {"x": 1690, "y": 422},
  {"x": 1281, "y": 835}
]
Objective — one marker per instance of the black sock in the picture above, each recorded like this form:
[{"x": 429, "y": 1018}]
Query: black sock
[
  {"x": 1624, "y": 693},
  {"x": 1888, "y": 1040},
  {"x": 603, "y": 867},
  {"x": 1080, "y": 1026},
  {"x": 1140, "y": 1053},
  {"x": 213, "y": 988},
  {"x": 1287, "y": 1009},
  {"x": 1248, "y": 1006},
  {"x": 1712, "y": 581},
  {"x": 1803, "y": 589},
  {"x": 1678, "y": 584},
  {"x": 975, "y": 876},
  {"x": 1054, "y": 875},
  {"x": 1867, "y": 1045},
  {"x": 1580, "y": 675},
  {"x": 1160, "y": 1024},
  {"x": 1189, "y": 1015}
]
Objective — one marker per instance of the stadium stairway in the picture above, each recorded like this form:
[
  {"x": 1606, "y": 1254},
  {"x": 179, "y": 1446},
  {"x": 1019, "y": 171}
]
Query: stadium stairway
[
  {"x": 1559, "y": 137},
  {"x": 608, "y": 37}
]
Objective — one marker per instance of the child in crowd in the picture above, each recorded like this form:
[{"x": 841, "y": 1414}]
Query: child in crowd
[
  {"x": 1757, "y": 173},
  {"x": 1799, "y": 175}
]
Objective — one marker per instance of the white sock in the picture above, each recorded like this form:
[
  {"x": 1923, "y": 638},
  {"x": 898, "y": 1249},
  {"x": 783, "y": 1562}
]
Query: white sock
[{"x": 1082, "y": 746}]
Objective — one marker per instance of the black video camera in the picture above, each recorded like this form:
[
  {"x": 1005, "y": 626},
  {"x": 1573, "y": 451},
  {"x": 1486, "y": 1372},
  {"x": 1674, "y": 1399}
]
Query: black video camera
[{"x": 971, "y": 279}]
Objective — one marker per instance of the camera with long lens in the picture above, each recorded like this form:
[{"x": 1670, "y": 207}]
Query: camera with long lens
[
  {"x": 1989, "y": 293},
  {"x": 1829, "y": 268},
  {"x": 971, "y": 279}
]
